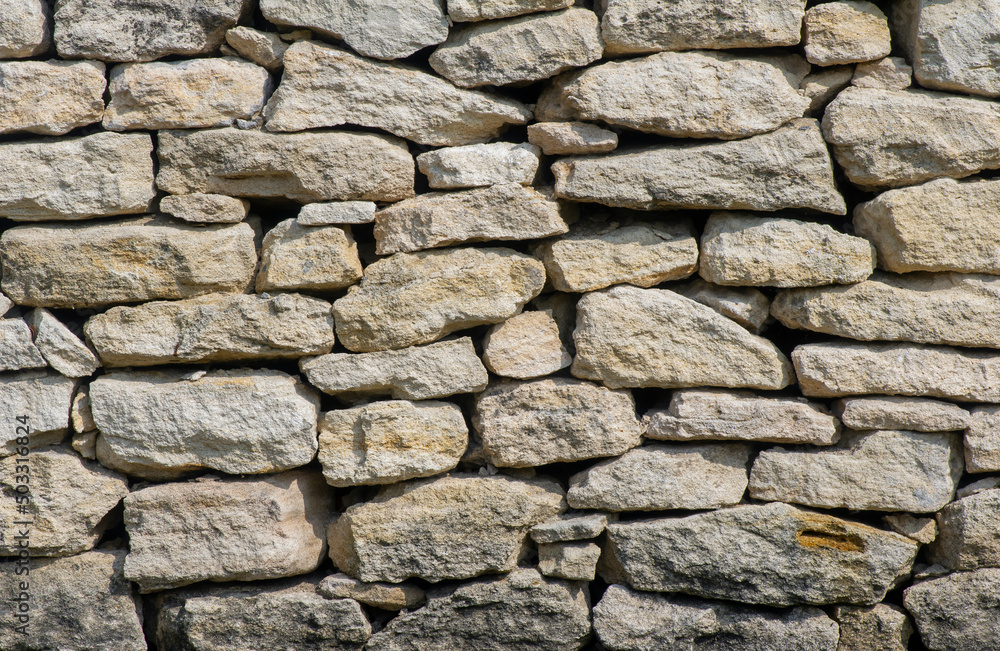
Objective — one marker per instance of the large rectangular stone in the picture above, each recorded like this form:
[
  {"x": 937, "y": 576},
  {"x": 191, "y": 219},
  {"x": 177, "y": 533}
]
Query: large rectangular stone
[
  {"x": 64, "y": 95},
  {"x": 43, "y": 399}
]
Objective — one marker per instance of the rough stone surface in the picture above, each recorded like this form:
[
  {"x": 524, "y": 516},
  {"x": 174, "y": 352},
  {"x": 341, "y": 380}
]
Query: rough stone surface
[
  {"x": 567, "y": 138},
  {"x": 969, "y": 533},
  {"x": 62, "y": 349},
  {"x": 321, "y": 166},
  {"x": 829, "y": 370},
  {"x": 122, "y": 30},
  {"x": 574, "y": 561},
  {"x": 387, "y": 596},
  {"x": 626, "y": 620},
  {"x": 748, "y": 249},
  {"x": 900, "y": 412},
  {"x": 17, "y": 351},
  {"x": 435, "y": 219},
  {"x": 664, "y": 476},
  {"x": 888, "y": 470},
  {"x": 296, "y": 257},
  {"x": 263, "y": 48},
  {"x": 41, "y": 180},
  {"x": 746, "y": 306},
  {"x": 944, "y": 225},
  {"x": 226, "y": 529},
  {"x": 825, "y": 84},
  {"x": 453, "y": 527},
  {"x": 382, "y": 29},
  {"x": 475, "y": 10},
  {"x": 882, "y": 627},
  {"x": 341, "y": 212},
  {"x": 570, "y": 526},
  {"x": 982, "y": 440},
  {"x": 80, "y": 602},
  {"x": 521, "y": 610},
  {"x": 474, "y": 166},
  {"x": 846, "y": 31},
  {"x": 24, "y": 29},
  {"x": 49, "y": 97},
  {"x": 44, "y": 398},
  {"x": 887, "y": 138},
  {"x": 700, "y": 414},
  {"x": 958, "y": 612},
  {"x": 789, "y": 556},
  {"x": 416, "y": 373},
  {"x": 636, "y": 26},
  {"x": 519, "y": 50},
  {"x": 81, "y": 417},
  {"x": 124, "y": 261},
  {"x": 390, "y": 441},
  {"x": 417, "y": 298},
  {"x": 688, "y": 95},
  {"x": 324, "y": 87},
  {"x": 923, "y": 530},
  {"x": 631, "y": 337},
  {"x": 205, "y": 208},
  {"x": 525, "y": 346},
  {"x": 598, "y": 254},
  {"x": 749, "y": 174},
  {"x": 890, "y": 73}
]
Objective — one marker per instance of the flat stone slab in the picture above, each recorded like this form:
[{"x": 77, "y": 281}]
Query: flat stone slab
[
  {"x": 387, "y": 596},
  {"x": 310, "y": 258},
  {"x": 900, "y": 412},
  {"x": 475, "y": 10},
  {"x": 65, "y": 94},
  {"x": 341, "y": 212},
  {"x": 476, "y": 166},
  {"x": 17, "y": 350},
  {"x": 205, "y": 208},
  {"x": 568, "y": 138},
  {"x": 745, "y": 305},
  {"x": 62, "y": 349},
  {"x": 570, "y": 526}
]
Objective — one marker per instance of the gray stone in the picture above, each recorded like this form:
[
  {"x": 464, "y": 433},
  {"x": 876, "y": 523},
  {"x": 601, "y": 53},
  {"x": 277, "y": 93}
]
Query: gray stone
[
  {"x": 882, "y": 627},
  {"x": 62, "y": 349},
  {"x": 900, "y": 412},
  {"x": 846, "y": 31},
  {"x": 567, "y": 138},
  {"x": 63, "y": 95},
  {"x": 325, "y": 87},
  {"x": 570, "y": 527},
  {"x": 386, "y": 596},
  {"x": 664, "y": 476},
  {"x": 205, "y": 208},
  {"x": 746, "y": 306},
  {"x": 474, "y": 166},
  {"x": 890, "y": 73},
  {"x": 923, "y": 530},
  {"x": 788, "y": 556},
  {"x": 341, "y": 212},
  {"x": 626, "y": 620},
  {"x": 24, "y": 29},
  {"x": 161, "y": 424},
  {"x": 263, "y": 48},
  {"x": 17, "y": 351},
  {"x": 43, "y": 399},
  {"x": 978, "y": 487},
  {"x": 296, "y": 257},
  {"x": 474, "y": 10},
  {"x": 5, "y": 304},
  {"x": 958, "y": 612},
  {"x": 825, "y": 84},
  {"x": 968, "y": 533},
  {"x": 749, "y": 174},
  {"x": 527, "y": 345},
  {"x": 982, "y": 440},
  {"x": 573, "y": 561},
  {"x": 553, "y": 101},
  {"x": 42, "y": 180}
]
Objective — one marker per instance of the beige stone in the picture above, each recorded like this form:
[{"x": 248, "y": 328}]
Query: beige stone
[
  {"x": 900, "y": 412},
  {"x": 24, "y": 29},
  {"x": 17, "y": 351},
  {"x": 527, "y": 345},
  {"x": 825, "y": 84},
  {"x": 50, "y": 97},
  {"x": 340, "y": 212},
  {"x": 923, "y": 530},
  {"x": 567, "y": 138},
  {"x": 474, "y": 10},
  {"x": 553, "y": 101},
  {"x": 882, "y": 627},
  {"x": 570, "y": 526},
  {"x": 296, "y": 257},
  {"x": 746, "y": 306},
  {"x": 890, "y": 73},
  {"x": 573, "y": 561},
  {"x": 62, "y": 349},
  {"x": 969, "y": 533},
  {"x": 263, "y": 48},
  {"x": 85, "y": 444},
  {"x": 387, "y": 596},
  {"x": 205, "y": 208},
  {"x": 982, "y": 440},
  {"x": 957, "y": 612},
  {"x": 474, "y": 166},
  {"x": 845, "y": 31},
  {"x": 41, "y": 401},
  {"x": 81, "y": 417}
]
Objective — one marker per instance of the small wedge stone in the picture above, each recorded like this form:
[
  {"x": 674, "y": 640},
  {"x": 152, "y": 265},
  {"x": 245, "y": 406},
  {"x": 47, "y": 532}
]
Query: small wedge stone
[
  {"x": 205, "y": 208},
  {"x": 900, "y": 412},
  {"x": 845, "y": 31},
  {"x": 958, "y": 612},
  {"x": 882, "y": 627},
  {"x": 81, "y": 417},
  {"x": 62, "y": 349},
  {"x": 525, "y": 346},
  {"x": 17, "y": 351},
  {"x": 263, "y": 48},
  {"x": 64, "y": 95},
  {"x": 573, "y": 561},
  {"x": 890, "y": 73},
  {"x": 296, "y": 257},
  {"x": 40, "y": 398},
  {"x": 387, "y": 596},
  {"x": 474, "y": 166},
  {"x": 923, "y": 530},
  {"x": 341, "y": 212},
  {"x": 825, "y": 84},
  {"x": 746, "y": 306},
  {"x": 982, "y": 440},
  {"x": 570, "y": 527},
  {"x": 474, "y": 10},
  {"x": 568, "y": 138},
  {"x": 968, "y": 533},
  {"x": 24, "y": 29}
]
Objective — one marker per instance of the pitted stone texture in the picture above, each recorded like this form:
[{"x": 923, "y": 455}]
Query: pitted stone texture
[
  {"x": 521, "y": 610},
  {"x": 212, "y": 328},
  {"x": 553, "y": 102},
  {"x": 387, "y": 596},
  {"x": 846, "y": 31},
  {"x": 889, "y": 138},
  {"x": 502, "y": 212},
  {"x": 749, "y": 174},
  {"x": 288, "y": 614},
  {"x": 415, "y": 373},
  {"x": 325, "y": 87},
  {"x": 80, "y": 414},
  {"x": 76, "y": 178},
  {"x": 899, "y": 412},
  {"x": 519, "y": 50},
  {"x": 475, "y": 10},
  {"x": 969, "y": 533},
  {"x": 44, "y": 398},
  {"x": 124, "y": 261},
  {"x": 890, "y": 73},
  {"x": 574, "y": 561},
  {"x": 161, "y": 424},
  {"x": 882, "y": 627},
  {"x": 474, "y": 166},
  {"x": 627, "y": 620},
  {"x": 525, "y": 346},
  {"x": 226, "y": 529},
  {"x": 923, "y": 530},
  {"x": 69, "y": 499},
  {"x": 321, "y": 166},
  {"x": 953, "y": 46},
  {"x": 391, "y": 441},
  {"x": 664, "y": 476},
  {"x": 886, "y": 470},
  {"x": 788, "y": 556},
  {"x": 340, "y": 212},
  {"x": 263, "y": 48},
  {"x": 122, "y": 30},
  {"x": 982, "y": 440},
  {"x": 80, "y": 602},
  {"x": 746, "y": 306},
  {"x": 750, "y": 249},
  {"x": 417, "y": 298},
  {"x": 636, "y": 26},
  {"x": 688, "y": 95},
  {"x": 958, "y": 612},
  {"x": 205, "y": 208},
  {"x": 567, "y": 138},
  {"x": 453, "y": 527},
  {"x": 570, "y": 526},
  {"x": 598, "y": 254},
  {"x": 631, "y": 337},
  {"x": 382, "y": 29},
  {"x": 525, "y": 424},
  {"x": 49, "y": 97},
  {"x": 62, "y": 349},
  {"x": 944, "y": 225},
  {"x": 17, "y": 351},
  {"x": 24, "y": 29},
  {"x": 707, "y": 414},
  {"x": 308, "y": 258},
  {"x": 832, "y": 370}
]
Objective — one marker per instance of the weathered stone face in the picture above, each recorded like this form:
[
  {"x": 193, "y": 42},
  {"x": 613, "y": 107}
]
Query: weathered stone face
[
  {"x": 475, "y": 166},
  {"x": 744, "y": 305},
  {"x": 387, "y": 596},
  {"x": 982, "y": 440},
  {"x": 883, "y": 627},
  {"x": 573, "y": 561},
  {"x": 340, "y": 212},
  {"x": 205, "y": 208},
  {"x": 569, "y": 527},
  {"x": 17, "y": 351},
  {"x": 958, "y": 612},
  {"x": 475, "y": 10},
  {"x": 296, "y": 257},
  {"x": 263, "y": 48},
  {"x": 525, "y": 346},
  {"x": 24, "y": 29},
  {"x": 969, "y": 533},
  {"x": 66, "y": 95},
  {"x": 44, "y": 398},
  {"x": 62, "y": 349},
  {"x": 890, "y": 73},
  {"x": 568, "y": 138},
  {"x": 845, "y": 31},
  {"x": 900, "y": 412}
]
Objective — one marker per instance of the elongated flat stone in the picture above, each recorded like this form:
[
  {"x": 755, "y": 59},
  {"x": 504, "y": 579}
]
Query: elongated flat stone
[
  {"x": 570, "y": 527},
  {"x": 124, "y": 261},
  {"x": 17, "y": 351},
  {"x": 205, "y": 208},
  {"x": 833, "y": 370},
  {"x": 958, "y": 612},
  {"x": 890, "y": 73},
  {"x": 64, "y": 95},
  {"x": 42, "y": 180},
  {"x": 788, "y": 556},
  {"x": 326, "y": 87},
  {"x": 161, "y": 424},
  {"x": 340, "y": 212},
  {"x": 969, "y": 533},
  {"x": 24, "y": 29},
  {"x": 387, "y": 596},
  {"x": 62, "y": 349},
  {"x": 749, "y": 174},
  {"x": 982, "y": 440},
  {"x": 884, "y": 470},
  {"x": 263, "y": 48},
  {"x": 40, "y": 398},
  {"x": 476, "y": 166},
  {"x": 305, "y": 167},
  {"x": 308, "y": 258},
  {"x": 631, "y": 337},
  {"x": 417, "y": 298},
  {"x": 475, "y": 10},
  {"x": 568, "y": 138},
  {"x": 900, "y": 412},
  {"x": 713, "y": 414}
]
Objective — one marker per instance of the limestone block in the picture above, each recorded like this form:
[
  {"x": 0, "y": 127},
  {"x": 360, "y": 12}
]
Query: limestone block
[
  {"x": 81, "y": 417},
  {"x": 969, "y": 533},
  {"x": 958, "y": 612},
  {"x": 568, "y": 138},
  {"x": 474, "y": 166},
  {"x": 24, "y": 29},
  {"x": 49, "y": 97},
  {"x": 62, "y": 349},
  {"x": 263, "y": 48},
  {"x": 386, "y": 596},
  {"x": 296, "y": 257},
  {"x": 825, "y": 84},
  {"x": 890, "y": 73},
  {"x": 44, "y": 398},
  {"x": 882, "y": 627},
  {"x": 340, "y": 212},
  {"x": 845, "y": 31},
  {"x": 746, "y": 306},
  {"x": 17, "y": 351},
  {"x": 573, "y": 561},
  {"x": 525, "y": 346},
  {"x": 900, "y": 412},
  {"x": 570, "y": 526},
  {"x": 982, "y": 440},
  {"x": 474, "y": 10},
  {"x": 205, "y": 208},
  {"x": 923, "y": 530}
]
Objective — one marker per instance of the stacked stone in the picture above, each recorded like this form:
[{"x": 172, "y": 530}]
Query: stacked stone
[{"x": 619, "y": 376}]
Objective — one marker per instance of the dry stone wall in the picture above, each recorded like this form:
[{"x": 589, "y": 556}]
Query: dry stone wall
[{"x": 621, "y": 325}]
